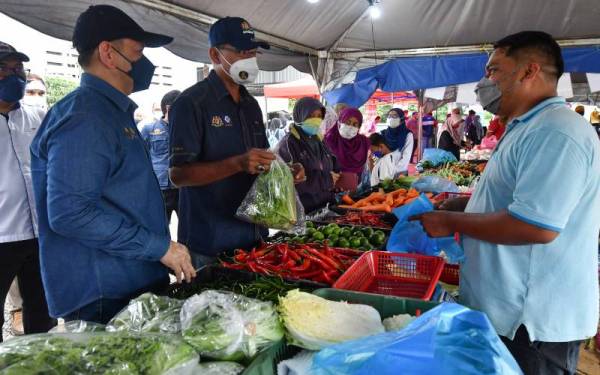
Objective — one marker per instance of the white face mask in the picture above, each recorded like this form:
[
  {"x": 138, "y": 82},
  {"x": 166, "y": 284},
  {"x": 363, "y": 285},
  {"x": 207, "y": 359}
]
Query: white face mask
[
  {"x": 36, "y": 101},
  {"x": 242, "y": 71},
  {"x": 393, "y": 122},
  {"x": 347, "y": 131}
]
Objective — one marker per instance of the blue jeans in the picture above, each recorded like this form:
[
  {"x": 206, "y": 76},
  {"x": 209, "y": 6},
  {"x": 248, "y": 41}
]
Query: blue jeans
[{"x": 99, "y": 311}]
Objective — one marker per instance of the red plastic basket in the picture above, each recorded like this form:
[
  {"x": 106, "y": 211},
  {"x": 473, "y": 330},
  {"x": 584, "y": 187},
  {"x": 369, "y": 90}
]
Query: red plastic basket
[
  {"x": 396, "y": 274},
  {"x": 450, "y": 274}
]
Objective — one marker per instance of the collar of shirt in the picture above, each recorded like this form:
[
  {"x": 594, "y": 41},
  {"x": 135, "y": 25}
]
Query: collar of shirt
[
  {"x": 219, "y": 87},
  {"x": 537, "y": 108},
  {"x": 117, "y": 97}
]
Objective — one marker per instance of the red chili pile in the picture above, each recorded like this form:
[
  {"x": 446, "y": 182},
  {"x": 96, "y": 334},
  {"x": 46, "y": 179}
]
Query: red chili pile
[
  {"x": 315, "y": 262},
  {"x": 362, "y": 218}
]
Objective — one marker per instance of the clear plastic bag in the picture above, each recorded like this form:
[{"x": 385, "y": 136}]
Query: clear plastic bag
[
  {"x": 435, "y": 184},
  {"x": 410, "y": 237},
  {"x": 273, "y": 202},
  {"x": 219, "y": 368},
  {"x": 97, "y": 353},
  {"x": 78, "y": 326},
  {"x": 228, "y": 326},
  {"x": 449, "y": 339},
  {"x": 148, "y": 313}
]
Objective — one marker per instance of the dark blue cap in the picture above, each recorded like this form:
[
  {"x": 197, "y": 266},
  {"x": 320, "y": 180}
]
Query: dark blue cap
[
  {"x": 106, "y": 23},
  {"x": 235, "y": 31}
]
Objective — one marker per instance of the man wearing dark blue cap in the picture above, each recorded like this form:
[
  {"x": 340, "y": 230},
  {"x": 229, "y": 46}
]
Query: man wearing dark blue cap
[
  {"x": 218, "y": 145},
  {"x": 103, "y": 231}
]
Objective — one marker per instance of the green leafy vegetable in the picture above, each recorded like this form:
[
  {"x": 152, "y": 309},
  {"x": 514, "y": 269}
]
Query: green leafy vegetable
[
  {"x": 271, "y": 202},
  {"x": 95, "y": 353},
  {"x": 148, "y": 313},
  {"x": 227, "y": 326}
]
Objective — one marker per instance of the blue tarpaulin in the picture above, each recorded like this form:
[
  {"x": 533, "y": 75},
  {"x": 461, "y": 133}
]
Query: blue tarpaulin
[{"x": 412, "y": 73}]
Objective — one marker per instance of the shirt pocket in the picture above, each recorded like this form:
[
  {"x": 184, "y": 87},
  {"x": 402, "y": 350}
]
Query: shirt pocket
[{"x": 159, "y": 144}]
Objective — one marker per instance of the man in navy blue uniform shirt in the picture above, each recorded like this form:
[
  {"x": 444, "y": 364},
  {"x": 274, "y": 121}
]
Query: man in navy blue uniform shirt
[
  {"x": 218, "y": 145},
  {"x": 156, "y": 136}
]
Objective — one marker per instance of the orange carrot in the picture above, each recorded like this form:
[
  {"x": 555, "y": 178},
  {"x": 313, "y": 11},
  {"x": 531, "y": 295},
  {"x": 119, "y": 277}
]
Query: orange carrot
[
  {"x": 347, "y": 200},
  {"x": 412, "y": 193},
  {"x": 410, "y": 200},
  {"x": 377, "y": 208}
]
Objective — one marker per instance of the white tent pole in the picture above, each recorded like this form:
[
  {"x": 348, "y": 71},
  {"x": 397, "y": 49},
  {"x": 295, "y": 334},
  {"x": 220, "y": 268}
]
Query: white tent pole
[
  {"x": 199, "y": 17},
  {"x": 420, "y": 135}
]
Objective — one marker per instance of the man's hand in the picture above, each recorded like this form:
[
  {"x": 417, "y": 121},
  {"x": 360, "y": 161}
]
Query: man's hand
[
  {"x": 436, "y": 223},
  {"x": 298, "y": 172},
  {"x": 335, "y": 177},
  {"x": 179, "y": 261},
  {"x": 256, "y": 161},
  {"x": 454, "y": 204}
]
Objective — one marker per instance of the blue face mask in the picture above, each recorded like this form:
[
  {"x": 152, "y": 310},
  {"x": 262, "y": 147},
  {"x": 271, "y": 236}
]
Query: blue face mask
[
  {"x": 141, "y": 72},
  {"x": 378, "y": 154},
  {"x": 12, "y": 88},
  {"x": 311, "y": 126}
]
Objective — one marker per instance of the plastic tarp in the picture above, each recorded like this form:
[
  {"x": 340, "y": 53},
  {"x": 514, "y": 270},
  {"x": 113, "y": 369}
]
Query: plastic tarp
[
  {"x": 438, "y": 71},
  {"x": 293, "y": 90}
]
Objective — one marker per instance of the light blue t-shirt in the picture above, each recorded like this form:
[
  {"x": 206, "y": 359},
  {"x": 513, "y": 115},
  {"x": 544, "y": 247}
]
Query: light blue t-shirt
[{"x": 545, "y": 171}]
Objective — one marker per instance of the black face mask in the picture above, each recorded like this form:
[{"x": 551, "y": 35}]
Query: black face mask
[{"x": 141, "y": 72}]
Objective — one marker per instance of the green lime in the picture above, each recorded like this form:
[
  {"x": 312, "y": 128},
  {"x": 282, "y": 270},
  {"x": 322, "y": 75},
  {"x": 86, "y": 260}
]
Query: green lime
[
  {"x": 365, "y": 242},
  {"x": 342, "y": 242},
  {"x": 310, "y": 224},
  {"x": 354, "y": 242},
  {"x": 332, "y": 242},
  {"x": 332, "y": 225},
  {"x": 318, "y": 236},
  {"x": 368, "y": 232},
  {"x": 345, "y": 233},
  {"x": 310, "y": 231},
  {"x": 327, "y": 231},
  {"x": 337, "y": 231},
  {"x": 333, "y": 237},
  {"x": 376, "y": 240},
  {"x": 379, "y": 233}
]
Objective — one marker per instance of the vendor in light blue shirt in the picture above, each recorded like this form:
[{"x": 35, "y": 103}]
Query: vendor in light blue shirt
[
  {"x": 103, "y": 232},
  {"x": 530, "y": 230}
]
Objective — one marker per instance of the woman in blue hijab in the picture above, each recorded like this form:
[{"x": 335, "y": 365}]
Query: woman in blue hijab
[{"x": 397, "y": 134}]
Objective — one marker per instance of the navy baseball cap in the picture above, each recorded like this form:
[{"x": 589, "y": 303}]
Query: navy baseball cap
[
  {"x": 7, "y": 51},
  {"x": 106, "y": 23},
  {"x": 235, "y": 31}
]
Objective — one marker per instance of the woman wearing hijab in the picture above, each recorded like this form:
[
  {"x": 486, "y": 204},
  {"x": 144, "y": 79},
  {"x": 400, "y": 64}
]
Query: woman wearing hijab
[
  {"x": 303, "y": 144},
  {"x": 349, "y": 147},
  {"x": 398, "y": 139},
  {"x": 451, "y": 133}
]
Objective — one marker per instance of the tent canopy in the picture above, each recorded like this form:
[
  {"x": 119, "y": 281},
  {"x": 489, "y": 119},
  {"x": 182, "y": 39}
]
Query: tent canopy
[
  {"x": 293, "y": 90},
  {"x": 332, "y": 39},
  {"x": 424, "y": 72}
]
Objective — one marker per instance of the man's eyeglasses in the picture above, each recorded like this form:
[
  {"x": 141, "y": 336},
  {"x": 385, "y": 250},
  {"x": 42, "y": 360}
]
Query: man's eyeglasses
[
  {"x": 250, "y": 52},
  {"x": 19, "y": 70}
]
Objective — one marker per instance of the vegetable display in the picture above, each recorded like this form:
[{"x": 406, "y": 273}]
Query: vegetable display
[
  {"x": 403, "y": 182},
  {"x": 264, "y": 288},
  {"x": 227, "y": 326},
  {"x": 313, "y": 322},
  {"x": 384, "y": 202},
  {"x": 219, "y": 368},
  {"x": 344, "y": 237},
  {"x": 361, "y": 218},
  {"x": 148, "y": 313},
  {"x": 272, "y": 201},
  {"x": 315, "y": 262},
  {"x": 96, "y": 353},
  {"x": 462, "y": 174}
]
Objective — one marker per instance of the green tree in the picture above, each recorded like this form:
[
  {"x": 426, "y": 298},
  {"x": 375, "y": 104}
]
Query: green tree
[
  {"x": 382, "y": 110},
  {"x": 58, "y": 88}
]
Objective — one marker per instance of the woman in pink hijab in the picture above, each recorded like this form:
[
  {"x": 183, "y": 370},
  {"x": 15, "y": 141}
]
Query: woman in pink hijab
[
  {"x": 349, "y": 147},
  {"x": 451, "y": 133}
]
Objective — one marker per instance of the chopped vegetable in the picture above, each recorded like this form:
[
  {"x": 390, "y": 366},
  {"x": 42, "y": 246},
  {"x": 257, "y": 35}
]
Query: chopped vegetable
[
  {"x": 313, "y": 322},
  {"x": 227, "y": 326},
  {"x": 219, "y": 368}
]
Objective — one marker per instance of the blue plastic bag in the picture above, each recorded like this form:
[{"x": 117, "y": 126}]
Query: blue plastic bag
[
  {"x": 410, "y": 237},
  {"x": 435, "y": 184},
  {"x": 449, "y": 339},
  {"x": 437, "y": 156}
]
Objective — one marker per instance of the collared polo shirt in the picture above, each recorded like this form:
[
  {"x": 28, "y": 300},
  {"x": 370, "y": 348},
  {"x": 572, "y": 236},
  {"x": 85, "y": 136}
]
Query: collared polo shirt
[
  {"x": 103, "y": 226},
  {"x": 18, "y": 218},
  {"x": 206, "y": 126},
  {"x": 545, "y": 171},
  {"x": 156, "y": 136}
]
